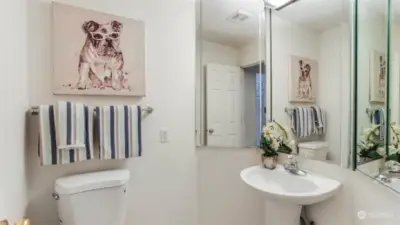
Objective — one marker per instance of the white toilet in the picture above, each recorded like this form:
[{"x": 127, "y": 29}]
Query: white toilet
[
  {"x": 317, "y": 150},
  {"x": 93, "y": 198}
]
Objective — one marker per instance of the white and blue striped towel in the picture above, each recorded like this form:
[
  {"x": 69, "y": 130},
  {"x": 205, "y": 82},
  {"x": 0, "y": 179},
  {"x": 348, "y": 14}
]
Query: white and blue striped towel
[
  {"x": 378, "y": 118},
  {"x": 120, "y": 132},
  {"x": 302, "y": 122},
  {"x": 66, "y": 133},
  {"x": 308, "y": 121},
  {"x": 319, "y": 121}
]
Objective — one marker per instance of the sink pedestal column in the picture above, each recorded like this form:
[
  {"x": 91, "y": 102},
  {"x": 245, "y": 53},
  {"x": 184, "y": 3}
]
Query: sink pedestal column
[{"x": 282, "y": 213}]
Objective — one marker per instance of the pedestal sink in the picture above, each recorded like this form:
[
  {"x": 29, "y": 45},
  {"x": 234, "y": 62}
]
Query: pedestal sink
[{"x": 285, "y": 193}]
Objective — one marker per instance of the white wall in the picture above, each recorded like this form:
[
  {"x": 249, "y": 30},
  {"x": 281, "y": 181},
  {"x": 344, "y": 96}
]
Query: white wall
[
  {"x": 219, "y": 54},
  {"x": 225, "y": 199},
  {"x": 288, "y": 39},
  {"x": 163, "y": 182},
  {"x": 334, "y": 71},
  {"x": 14, "y": 104},
  {"x": 252, "y": 53}
]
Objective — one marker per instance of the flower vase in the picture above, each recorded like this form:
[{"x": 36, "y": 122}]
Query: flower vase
[{"x": 269, "y": 162}]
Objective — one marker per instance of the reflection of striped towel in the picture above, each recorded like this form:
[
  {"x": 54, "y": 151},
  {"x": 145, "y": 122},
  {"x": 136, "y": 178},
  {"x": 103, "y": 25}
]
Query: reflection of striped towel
[
  {"x": 320, "y": 123},
  {"x": 378, "y": 118},
  {"x": 119, "y": 131},
  {"x": 66, "y": 133}
]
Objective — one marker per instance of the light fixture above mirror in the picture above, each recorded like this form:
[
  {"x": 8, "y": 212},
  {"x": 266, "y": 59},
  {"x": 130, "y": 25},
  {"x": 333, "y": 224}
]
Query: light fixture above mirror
[{"x": 278, "y": 4}]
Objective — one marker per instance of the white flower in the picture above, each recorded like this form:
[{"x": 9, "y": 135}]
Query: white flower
[
  {"x": 371, "y": 138},
  {"x": 275, "y": 145},
  {"x": 266, "y": 133},
  {"x": 367, "y": 131},
  {"x": 381, "y": 151},
  {"x": 366, "y": 134},
  {"x": 370, "y": 145},
  {"x": 392, "y": 164},
  {"x": 393, "y": 150},
  {"x": 395, "y": 128}
]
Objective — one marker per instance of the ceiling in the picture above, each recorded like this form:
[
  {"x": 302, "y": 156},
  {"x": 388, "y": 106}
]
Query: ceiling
[
  {"x": 216, "y": 27},
  {"x": 316, "y": 15}
]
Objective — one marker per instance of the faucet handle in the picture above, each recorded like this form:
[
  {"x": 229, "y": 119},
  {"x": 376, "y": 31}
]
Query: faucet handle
[{"x": 292, "y": 159}]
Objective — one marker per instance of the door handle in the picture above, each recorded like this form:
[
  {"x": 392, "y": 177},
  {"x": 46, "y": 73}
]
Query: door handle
[{"x": 211, "y": 131}]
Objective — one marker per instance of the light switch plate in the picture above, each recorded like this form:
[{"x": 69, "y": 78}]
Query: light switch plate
[{"x": 164, "y": 135}]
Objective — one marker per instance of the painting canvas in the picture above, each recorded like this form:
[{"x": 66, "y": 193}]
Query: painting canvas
[
  {"x": 97, "y": 53},
  {"x": 303, "y": 79},
  {"x": 378, "y": 67}
]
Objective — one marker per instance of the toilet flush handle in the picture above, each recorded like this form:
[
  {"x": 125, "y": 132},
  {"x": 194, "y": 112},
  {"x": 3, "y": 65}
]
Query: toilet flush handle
[{"x": 55, "y": 196}]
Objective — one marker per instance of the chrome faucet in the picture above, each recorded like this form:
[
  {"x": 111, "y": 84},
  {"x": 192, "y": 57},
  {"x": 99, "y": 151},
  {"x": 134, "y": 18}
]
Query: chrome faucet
[
  {"x": 386, "y": 176},
  {"x": 292, "y": 166}
]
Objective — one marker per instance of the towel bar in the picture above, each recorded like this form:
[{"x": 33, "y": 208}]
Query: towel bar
[
  {"x": 289, "y": 111},
  {"x": 35, "y": 110}
]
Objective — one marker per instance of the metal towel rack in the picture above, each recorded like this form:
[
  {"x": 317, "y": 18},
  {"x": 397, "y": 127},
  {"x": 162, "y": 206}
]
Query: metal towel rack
[
  {"x": 369, "y": 111},
  {"x": 289, "y": 111},
  {"x": 147, "y": 110}
]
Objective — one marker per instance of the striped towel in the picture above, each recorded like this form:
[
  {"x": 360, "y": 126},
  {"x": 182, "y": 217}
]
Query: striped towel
[
  {"x": 119, "y": 130},
  {"x": 320, "y": 123},
  {"x": 66, "y": 133},
  {"x": 302, "y": 121},
  {"x": 378, "y": 118}
]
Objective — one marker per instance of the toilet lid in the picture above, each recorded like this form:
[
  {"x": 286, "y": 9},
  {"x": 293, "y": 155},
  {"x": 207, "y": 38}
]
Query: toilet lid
[
  {"x": 91, "y": 181},
  {"x": 314, "y": 145}
]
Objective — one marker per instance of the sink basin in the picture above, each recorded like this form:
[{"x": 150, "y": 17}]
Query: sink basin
[{"x": 286, "y": 193}]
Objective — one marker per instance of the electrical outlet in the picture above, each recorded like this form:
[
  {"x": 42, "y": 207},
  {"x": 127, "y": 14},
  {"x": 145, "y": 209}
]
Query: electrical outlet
[{"x": 163, "y": 135}]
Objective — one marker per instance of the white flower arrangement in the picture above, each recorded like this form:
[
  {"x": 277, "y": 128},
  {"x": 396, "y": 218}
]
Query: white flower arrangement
[
  {"x": 393, "y": 154},
  {"x": 274, "y": 139},
  {"x": 370, "y": 147}
]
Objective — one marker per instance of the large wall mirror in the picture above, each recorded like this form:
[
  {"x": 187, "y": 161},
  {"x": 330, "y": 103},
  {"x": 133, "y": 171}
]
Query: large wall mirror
[
  {"x": 230, "y": 84},
  {"x": 390, "y": 174},
  {"x": 370, "y": 85},
  {"x": 376, "y": 89},
  {"x": 257, "y": 64},
  {"x": 310, "y": 76}
]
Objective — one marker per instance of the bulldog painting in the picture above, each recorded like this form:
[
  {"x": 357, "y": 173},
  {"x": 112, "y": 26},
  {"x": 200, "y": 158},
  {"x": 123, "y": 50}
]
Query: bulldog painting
[
  {"x": 97, "y": 53},
  {"x": 377, "y": 83},
  {"x": 303, "y": 79}
]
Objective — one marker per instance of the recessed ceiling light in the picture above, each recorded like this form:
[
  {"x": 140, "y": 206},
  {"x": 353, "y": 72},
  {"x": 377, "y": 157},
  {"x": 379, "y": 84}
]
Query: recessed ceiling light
[{"x": 278, "y": 4}]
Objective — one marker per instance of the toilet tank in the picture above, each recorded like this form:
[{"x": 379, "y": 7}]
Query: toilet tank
[
  {"x": 97, "y": 198},
  {"x": 317, "y": 150}
]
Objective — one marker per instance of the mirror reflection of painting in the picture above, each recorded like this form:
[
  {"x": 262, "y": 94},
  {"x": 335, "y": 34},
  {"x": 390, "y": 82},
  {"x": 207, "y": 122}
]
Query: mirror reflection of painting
[
  {"x": 304, "y": 90},
  {"x": 97, "y": 53},
  {"x": 382, "y": 76},
  {"x": 378, "y": 77},
  {"x": 303, "y": 79}
]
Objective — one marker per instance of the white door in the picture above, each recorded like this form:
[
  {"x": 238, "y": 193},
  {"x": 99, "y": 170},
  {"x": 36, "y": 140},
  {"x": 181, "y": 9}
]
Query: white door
[{"x": 223, "y": 105}]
